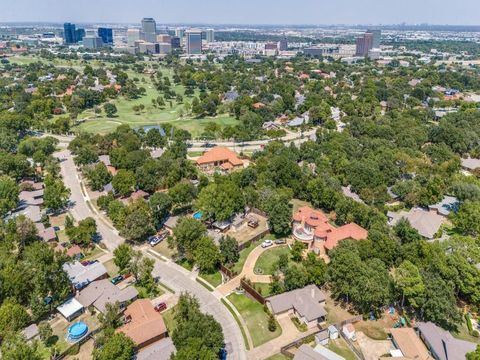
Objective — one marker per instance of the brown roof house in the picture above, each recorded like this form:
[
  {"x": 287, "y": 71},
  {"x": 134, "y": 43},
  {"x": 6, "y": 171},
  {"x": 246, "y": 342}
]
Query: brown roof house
[
  {"x": 407, "y": 341},
  {"x": 219, "y": 158},
  {"x": 102, "y": 292},
  {"x": 306, "y": 303},
  {"x": 144, "y": 325}
]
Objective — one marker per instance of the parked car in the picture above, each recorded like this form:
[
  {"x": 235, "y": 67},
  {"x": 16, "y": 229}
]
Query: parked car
[
  {"x": 157, "y": 239},
  {"x": 280, "y": 241},
  {"x": 160, "y": 307},
  {"x": 267, "y": 243},
  {"x": 116, "y": 279}
]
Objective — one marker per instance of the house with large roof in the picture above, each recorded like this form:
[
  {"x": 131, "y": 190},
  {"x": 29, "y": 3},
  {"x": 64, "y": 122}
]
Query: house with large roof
[
  {"x": 313, "y": 228},
  {"x": 143, "y": 324},
  {"x": 219, "y": 158},
  {"x": 308, "y": 304},
  {"x": 81, "y": 275},
  {"x": 410, "y": 345},
  {"x": 102, "y": 292},
  {"x": 427, "y": 223},
  {"x": 441, "y": 344}
]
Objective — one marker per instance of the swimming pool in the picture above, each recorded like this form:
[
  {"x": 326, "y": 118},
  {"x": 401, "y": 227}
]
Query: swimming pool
[
  {"x": 76, "y": 331},
  {"x": 197, "y": 215}
]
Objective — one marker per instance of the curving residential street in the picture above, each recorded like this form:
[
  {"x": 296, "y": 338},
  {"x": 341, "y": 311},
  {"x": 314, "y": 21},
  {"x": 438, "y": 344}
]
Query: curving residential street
[{"x": 171, "y": 274}]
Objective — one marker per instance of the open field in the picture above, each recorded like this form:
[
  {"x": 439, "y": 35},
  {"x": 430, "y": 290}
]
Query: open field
[{"x": 255, "y": 318}]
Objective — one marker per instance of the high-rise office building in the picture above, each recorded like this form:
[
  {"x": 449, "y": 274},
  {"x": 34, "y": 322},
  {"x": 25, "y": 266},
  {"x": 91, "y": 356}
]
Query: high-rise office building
[
  {"x": 364, "y": 44},
  {"x": 193, "y": 45},
  {"x": 132, "y": 36},
  {"x": 176, "y": 42},
  {"x": 377, "y": 38},
  {"x": 71, "y": 34},
  {"x": 92, "y": 42},
  {"x": 283, "y": 44},
  {"x": 164, "y": 38},
  {"x": 210, "y": 35},
  {"x": 180, "y": 33},
  {"x": 106, "y": 34},
  {"x": 149, "y": 28}
]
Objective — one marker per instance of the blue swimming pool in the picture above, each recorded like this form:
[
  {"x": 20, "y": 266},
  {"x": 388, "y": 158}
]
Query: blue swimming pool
[
  {"x": 197, "y": 215},
  {"x": 77, "y": 331}
]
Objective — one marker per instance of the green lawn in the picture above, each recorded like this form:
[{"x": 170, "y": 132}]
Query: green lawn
[
  {"x": 243, "y": 256},
  {"x": 255, "y": 318},
  {"x": 169, "y": 320},
  {"x": 163, "y": 249},
  {"x": 263, "y": 289},
  {"x": 214, "y": 279},
  {"x": 297, "y": 204},
  {"x": 268, "y": 260},
  {"x": 112, "y": 269},
  {"x": 339, "y": 347}
]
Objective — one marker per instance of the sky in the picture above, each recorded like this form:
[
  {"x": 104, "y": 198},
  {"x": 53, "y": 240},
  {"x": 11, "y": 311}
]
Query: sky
[{"x": 315, "y": 12}]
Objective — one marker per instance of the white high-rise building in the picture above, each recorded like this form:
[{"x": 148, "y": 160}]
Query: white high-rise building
[{"x": 180, "y": 33}]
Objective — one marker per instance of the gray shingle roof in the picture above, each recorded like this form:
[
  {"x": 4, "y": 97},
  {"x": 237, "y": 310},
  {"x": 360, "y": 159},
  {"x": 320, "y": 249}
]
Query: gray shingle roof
[
  {"x": 101, "y": 292},
  {"x": 426, "y": 222}
]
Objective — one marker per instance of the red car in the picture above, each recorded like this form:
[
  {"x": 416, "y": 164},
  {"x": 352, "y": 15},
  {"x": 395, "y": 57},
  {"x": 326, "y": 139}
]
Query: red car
[{"x": 161, "y": 307}]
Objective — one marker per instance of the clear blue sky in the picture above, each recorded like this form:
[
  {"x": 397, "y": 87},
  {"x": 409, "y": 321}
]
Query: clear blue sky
[{"x": 457, "y": 12}]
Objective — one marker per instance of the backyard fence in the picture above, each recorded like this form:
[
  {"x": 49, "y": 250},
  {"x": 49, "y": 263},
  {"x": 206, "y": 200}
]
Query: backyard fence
[
  {"x": 227, "y": 272},
  {"x": 254, "y": 239},
  {"x": 78, "y": 343},
  {"x": 285, "y": 350},
  {"x": 250, "y": 290}
]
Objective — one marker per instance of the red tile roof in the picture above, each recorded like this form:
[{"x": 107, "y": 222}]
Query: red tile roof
[{"x": 219, "y": 154}]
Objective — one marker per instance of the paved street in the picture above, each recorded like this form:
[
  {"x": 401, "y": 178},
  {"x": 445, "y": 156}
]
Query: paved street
[{"x": 174, "y": 276}]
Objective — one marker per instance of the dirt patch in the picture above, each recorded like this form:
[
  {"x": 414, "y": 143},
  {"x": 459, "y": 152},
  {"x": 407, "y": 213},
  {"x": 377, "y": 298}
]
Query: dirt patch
[{"x": 373, "y": 349}]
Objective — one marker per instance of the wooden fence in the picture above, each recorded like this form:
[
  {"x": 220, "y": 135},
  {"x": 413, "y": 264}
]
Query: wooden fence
[
  {"x": 250, "y": 290},
  {"x": 254, "y": 239},
  {"x": 227, "y": 272}
]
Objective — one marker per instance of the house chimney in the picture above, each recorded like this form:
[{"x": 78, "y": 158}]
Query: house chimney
[{"x": 312, "y": 292}]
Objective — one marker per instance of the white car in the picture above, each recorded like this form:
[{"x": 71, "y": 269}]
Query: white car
[{"x": 267, "y": 243}]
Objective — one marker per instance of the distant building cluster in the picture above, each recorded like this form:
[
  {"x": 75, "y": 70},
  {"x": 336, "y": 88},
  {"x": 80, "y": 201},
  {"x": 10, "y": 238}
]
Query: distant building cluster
[{"x": 368, "y": 45}]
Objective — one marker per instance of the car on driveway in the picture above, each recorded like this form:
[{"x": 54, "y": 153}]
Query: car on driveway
[
  {"x": 267, "y": 243},
  {"x": 157, "y": 239},
  {"x": 280, "y": 241},
  {"x": 117, "y": 279},
  {"x": 160, "y": 307}
]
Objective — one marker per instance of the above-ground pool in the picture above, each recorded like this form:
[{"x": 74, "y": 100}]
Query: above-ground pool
[
  {"x": 76, "y": 331},
  {"x": 197, "y": 215}
]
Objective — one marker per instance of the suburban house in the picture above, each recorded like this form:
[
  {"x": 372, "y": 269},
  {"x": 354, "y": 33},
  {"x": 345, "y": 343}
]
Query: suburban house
[
  {"x": 441, "y": 344},
  {"x": 313, "y": 228},
  {"x": 348, "y": 192},
  {"x": 445, "y": 206},
  {"x": 31, "y": 212},
  {"x": 219, "y": 158},
  {"x": 30, "y": 332},
  {"x": 46, "y": 234},
  {"x": 470, "y": 164},
  {"x": 327, "y": 354},
  {"x": 407, "y": 341},
  {"x": 427, "y": 223},
  {"x": 102, "y": 292},
  {"x": 161, "y": 350},
  {"x": 306, "y": 303},
  {"x": 143, "y": 324},
  {"x": 34, "y": 197},
  {"x": 80, "y": 275}
]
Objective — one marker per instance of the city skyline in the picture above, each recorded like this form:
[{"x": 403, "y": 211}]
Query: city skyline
[{"x": 314, "y": 12}]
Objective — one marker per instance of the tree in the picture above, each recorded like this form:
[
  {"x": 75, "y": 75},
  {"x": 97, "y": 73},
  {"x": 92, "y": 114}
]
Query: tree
[
  {"x": 182, "y": 193},
  {"x": 295, "y": 277},
  {"x": 474, "y": 355},
  {"x": 154, "y": 139},
  {"x": 83, "y": 233},
  {"x": 220, "y": 201},
  {"x": 14, "y": 347},
  {"x": 272, "y": 323},
  {"x": 98, "y": 176},
  {"x": 194, "y": 349},
  {"x": 160, "y": 205},
  {"x": 56, "y": 195},
  {"x": 13, "y": 317},
  {"x": 116, "y": 347},
  {"x": 186, "y": 234},
  {"x": 8, "y": 195},
  {"x": 45, "y": 331},
  {"x": 406, "y": 232},
  {"x": 122, "y": 256},
  {"x": 206, "y": 255},
  {"x": 467, "y": 219},
  {"x": 316, "y": 269},
  {"x": 138, "y": 222},
  {"x": 111, "y": 318},
  {"x": 229, "y": 250},
  {"x": 110, "y": 109},
  {"x": 297, "y": 251},
  {"x": 410, "y": 283},
  {"x": 123, "y": 182},
  {"x": 279, "y": 215}
]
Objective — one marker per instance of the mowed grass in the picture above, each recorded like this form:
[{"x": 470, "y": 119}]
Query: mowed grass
[
  {"x": 243, "y": 257},
  {"x": 214, "y": 279},
  {"x": 340, "y": 347},
  {"x": 266, "y": 263},
  {"x": 255, "y": 318},
  {"x": 278, "y": 356},
  {"x": 151, "y": 115}
]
